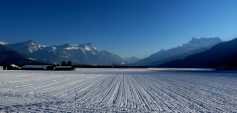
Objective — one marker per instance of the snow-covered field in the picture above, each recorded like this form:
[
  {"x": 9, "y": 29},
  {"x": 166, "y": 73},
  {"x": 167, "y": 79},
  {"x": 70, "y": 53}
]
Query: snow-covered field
[{"x": 118, "y": 90}]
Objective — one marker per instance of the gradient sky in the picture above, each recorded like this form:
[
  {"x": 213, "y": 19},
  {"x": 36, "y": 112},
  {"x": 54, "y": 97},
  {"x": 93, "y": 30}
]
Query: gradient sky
[{"x": 126, "y": 27}]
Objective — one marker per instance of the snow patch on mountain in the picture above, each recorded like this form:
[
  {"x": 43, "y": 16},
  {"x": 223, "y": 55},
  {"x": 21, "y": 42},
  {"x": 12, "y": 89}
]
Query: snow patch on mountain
[
  {"x": 33, "y": 46},
  {"x": 2, "y": 43},
  {"x": 71, "y": 48},
  {"x": 77, "y": 53}
]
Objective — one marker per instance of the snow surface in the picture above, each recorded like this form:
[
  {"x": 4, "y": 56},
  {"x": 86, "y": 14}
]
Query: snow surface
[{"x": 118, "y": 90}]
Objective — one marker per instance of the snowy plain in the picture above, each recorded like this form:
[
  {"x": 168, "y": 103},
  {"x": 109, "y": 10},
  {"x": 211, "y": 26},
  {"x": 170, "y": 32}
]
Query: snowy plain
[{"x": 118, "y": 90}]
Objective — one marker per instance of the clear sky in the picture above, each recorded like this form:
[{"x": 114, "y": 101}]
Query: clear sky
[{"x": 126, "y": 27}]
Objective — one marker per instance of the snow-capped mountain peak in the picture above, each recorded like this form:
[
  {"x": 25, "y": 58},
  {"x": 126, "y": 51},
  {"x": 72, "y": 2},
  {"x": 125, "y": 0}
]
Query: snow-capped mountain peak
[
  {"x": 83, "y": 47},
  {"x": 71, "y": 47},
  {"x": 89, "y": 47},
  {"x": 195, "y": 45},
  {"x": 27, "y": 47},
  {"x": 33, "y": 46},
  {"x": 77, "y": 53},
  {"x": 2, "y": 43}
]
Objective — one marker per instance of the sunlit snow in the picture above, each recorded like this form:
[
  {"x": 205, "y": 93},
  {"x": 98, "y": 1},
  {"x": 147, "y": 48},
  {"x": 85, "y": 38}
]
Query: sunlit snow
[{"x": 118, "y": 90}]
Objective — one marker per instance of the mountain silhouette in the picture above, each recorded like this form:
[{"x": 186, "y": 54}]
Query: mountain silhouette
[
  {"x": 195, "y": 45},
  {"x": 222, "y": 55}
]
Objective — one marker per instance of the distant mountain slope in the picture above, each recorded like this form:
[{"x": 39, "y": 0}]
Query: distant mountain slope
[
  {"x": 8, "y": 56},
  {"x": 26, "y": 48},
  {"x": 77, "y": 53},
  {"x": 131, "y": 60},
  {"x": 223, "y": 55},
  {"x": 196, "y": 45}
]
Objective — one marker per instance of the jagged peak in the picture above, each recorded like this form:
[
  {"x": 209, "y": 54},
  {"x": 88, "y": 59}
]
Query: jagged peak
[
  {"x": 86, "y": 46},
  {"x": 31, "y": 43},
  {"x": 194, "y": 39},
  {"x": 202, "y": 41},
  {"x": 89, "y": 47}
]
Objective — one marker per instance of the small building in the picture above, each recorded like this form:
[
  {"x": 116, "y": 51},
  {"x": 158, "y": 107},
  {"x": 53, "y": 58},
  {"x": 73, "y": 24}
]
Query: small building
[
  {"x": 64, "y": 68},
  {"x": 11, "y": 67},
  {"x": 47, "y": 67},
  {"x": 1, "y": 67},
  {"x": 35, "y": 67}
]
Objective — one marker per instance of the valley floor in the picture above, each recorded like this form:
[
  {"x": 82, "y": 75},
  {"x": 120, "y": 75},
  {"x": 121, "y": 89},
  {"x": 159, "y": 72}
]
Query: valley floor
[{"x": 118, "y": 90}]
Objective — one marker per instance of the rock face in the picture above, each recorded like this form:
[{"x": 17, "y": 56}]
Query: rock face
[
  {"x": 222, "y": 55},
  {"x": 194, "y": 46},
  {"x": 77, "y": 53}
]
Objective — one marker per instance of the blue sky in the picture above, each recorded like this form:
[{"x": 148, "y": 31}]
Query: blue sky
[{"x": 126, "y": 27}]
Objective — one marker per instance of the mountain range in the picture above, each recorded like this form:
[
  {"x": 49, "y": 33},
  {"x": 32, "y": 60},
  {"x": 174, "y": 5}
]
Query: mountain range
[
  {"x": 76, "y": 53},
  {"x": 222, "y": 55},
  {"x": 9, "y": 56},
  {"x": 197, "y": 53},
  {"x": 196, "y": 45}
]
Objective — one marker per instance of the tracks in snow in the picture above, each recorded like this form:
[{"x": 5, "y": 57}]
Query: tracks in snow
[{"x": 118, "y": 90}]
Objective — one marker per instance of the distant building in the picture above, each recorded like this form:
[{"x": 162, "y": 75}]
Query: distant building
[
  {"x": 64, "y": 68},
  {"x": 35, "y": 67},
  {"x": 1, "y": 67},
  {"x": 11, "y": 67}
]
